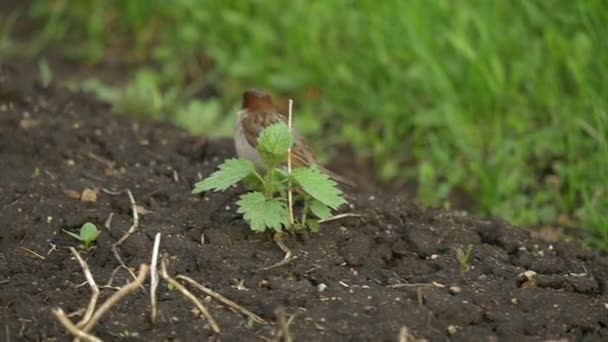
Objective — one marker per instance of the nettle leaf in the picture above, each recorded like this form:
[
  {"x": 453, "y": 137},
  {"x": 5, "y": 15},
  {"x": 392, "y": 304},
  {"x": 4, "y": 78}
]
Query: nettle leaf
[
  {"x": 89, "y": 232},
  {"x": 261, "y": 213},
  {"x": 274, "y": 141},
  {"x": 320, "y": 210},
  {"x": 319, "y": 186},
  {"x": 230, "y": 172}
]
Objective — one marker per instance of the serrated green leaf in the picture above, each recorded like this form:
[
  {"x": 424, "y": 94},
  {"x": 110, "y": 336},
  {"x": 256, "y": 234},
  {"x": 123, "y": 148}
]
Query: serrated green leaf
[
  {"x": 230, "y": 172},
  {"x": 319, "y": 186},
  {"x": 261, "y": 213},
  {"x": 89, "y": 232},
  {"x": 320, "y": 210},
  {"x": 274, "y": 141}
]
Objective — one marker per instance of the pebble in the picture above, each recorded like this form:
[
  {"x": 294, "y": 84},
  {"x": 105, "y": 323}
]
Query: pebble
[
  {"x": 452, "y": 329},
  {"x": 454, "y": 290},
  {"x": 321, "y": 287},
  {"x": 527, "y": 275}
]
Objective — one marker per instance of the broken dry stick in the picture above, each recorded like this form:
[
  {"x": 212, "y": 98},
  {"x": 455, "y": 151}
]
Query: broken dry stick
[
  {"x": 92, "y": 285},
  {"x": 288, "y": 254},
  {"x": 117, "y": 296},
  {"x": 79, "y": 334},
  {"x": 189, "y": 295},
  {"x": 132, "y": 229},
  {"x": 339, "y": 216},
  {"x": 283, "y": 325},
  {"x": 223, "y": 299},
  {"x": 154, "y": 277},
  {"x": 289, "y": 190}
]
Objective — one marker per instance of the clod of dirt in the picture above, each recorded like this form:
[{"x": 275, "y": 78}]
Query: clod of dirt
[
  {"x": 391, "y": 273},
  {"x": 88, "y": 195}
]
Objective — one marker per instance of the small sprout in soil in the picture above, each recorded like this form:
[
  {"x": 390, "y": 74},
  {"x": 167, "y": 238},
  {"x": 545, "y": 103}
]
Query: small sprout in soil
[
  {"x": 170, "y": 287},
  {"x": 266, "y": 205},
  {"x": 36, "y": 172},
  {"x": 463, "y": 260},
  {"x": 250, "y": 323},
  {"x": 87, "y": 236}
]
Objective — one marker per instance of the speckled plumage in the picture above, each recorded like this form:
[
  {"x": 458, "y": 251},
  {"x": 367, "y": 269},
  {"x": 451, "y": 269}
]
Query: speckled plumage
[{"x": 258, "y": 112}]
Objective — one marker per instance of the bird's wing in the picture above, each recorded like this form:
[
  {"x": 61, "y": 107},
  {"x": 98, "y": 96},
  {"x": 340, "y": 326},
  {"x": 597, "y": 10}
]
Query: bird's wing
[{"x": 254, "y": 123}]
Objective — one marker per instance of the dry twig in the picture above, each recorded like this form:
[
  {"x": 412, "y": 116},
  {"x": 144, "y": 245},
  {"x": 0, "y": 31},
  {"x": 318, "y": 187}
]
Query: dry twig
[
  {"x": 131, "y": 230},
  {"x": 433, "y": 284},
  {"x": 340, "y": 216},
  {"x": 154, "y": 277},
  {"x": 65, "y": 321},
  {"x": 405, "y": 336},
  {"x": 223, "y": 299},
  {"x": 32, "y": 253},
  {"x": 289, "y": 190},
  {"x": 189, "y": 295},
  {"x": 117, "y": 296},
  {"x": 278, "y": 238},
  {"x": 94, "y": 289},
  {"x": 284, "y": 324}
]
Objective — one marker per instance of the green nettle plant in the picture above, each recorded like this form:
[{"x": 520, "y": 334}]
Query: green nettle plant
[
  {"x": 266, "y": 205},
  {"x": 87, "y": 236},
  {"x": 463, "y": 258}
]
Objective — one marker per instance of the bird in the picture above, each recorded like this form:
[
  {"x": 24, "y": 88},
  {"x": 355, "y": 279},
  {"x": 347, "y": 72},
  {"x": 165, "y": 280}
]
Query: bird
[{"x": 258, "y": 112}]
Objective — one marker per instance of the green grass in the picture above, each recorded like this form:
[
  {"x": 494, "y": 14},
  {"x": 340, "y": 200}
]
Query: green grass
[{"x": 505, "y": 100}]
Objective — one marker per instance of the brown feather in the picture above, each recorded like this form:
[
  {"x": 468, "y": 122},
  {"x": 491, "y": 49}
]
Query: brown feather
[{"x": 259, "y": 112}]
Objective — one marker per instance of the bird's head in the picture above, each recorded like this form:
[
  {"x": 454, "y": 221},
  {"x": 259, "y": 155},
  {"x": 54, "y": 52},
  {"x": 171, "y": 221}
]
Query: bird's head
[{"x": 256, "y": 100}]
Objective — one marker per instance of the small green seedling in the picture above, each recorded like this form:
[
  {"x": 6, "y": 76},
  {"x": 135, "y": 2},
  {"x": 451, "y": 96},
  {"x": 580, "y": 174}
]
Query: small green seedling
[
  {"x": 266, "y": 206},
  {"x": 88, "y": 235},
  {"x": 463, "y": 260}
]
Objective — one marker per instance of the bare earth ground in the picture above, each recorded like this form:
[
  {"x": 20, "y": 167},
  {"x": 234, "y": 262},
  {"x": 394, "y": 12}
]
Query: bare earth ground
[{"x": 357, "y": 280}]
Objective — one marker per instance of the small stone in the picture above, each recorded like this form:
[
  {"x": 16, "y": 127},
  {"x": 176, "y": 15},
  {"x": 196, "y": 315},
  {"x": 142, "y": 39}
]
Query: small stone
[
  {"x": 514, "y": 301},
  {"x": 527, "y": 275},
  {"x": 369, "y": 308},
  {"x": 452, "y": 329},
  {"x": 88, "y": 195},
  {"x": 434, "y": 256},
  {"x": 72, "y": 193},
  {"x": 141, "y": 210},
  {"x": 28, "y": 123},
  {"x": 454, "y": 290},
  {"x": 321, "y": 287}
]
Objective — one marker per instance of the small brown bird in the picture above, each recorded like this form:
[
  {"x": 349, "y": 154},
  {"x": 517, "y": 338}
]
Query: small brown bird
[{"x": 257, "y": 113}]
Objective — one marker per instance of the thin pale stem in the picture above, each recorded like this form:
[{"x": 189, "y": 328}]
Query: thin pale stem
[{"x": 289, "y": 191}]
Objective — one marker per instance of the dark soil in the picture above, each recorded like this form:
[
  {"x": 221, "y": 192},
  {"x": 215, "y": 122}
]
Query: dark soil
[{"x": 360, "y": 279}]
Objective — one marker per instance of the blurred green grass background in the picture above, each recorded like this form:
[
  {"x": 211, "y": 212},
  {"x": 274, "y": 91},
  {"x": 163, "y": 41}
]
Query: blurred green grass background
[{"x": 504, "y": 100}]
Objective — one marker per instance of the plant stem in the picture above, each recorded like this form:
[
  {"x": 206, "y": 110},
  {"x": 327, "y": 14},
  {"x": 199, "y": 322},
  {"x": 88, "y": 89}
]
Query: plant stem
[
  {"x": 258, "y": 176},
  {"x": 289, "y": 192},
  {"x": 268, "y": 183},
  {"x": 305, "y": 212}
]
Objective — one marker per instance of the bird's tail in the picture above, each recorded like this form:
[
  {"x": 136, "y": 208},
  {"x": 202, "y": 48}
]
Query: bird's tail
[{"x": 338, "y": 178}]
